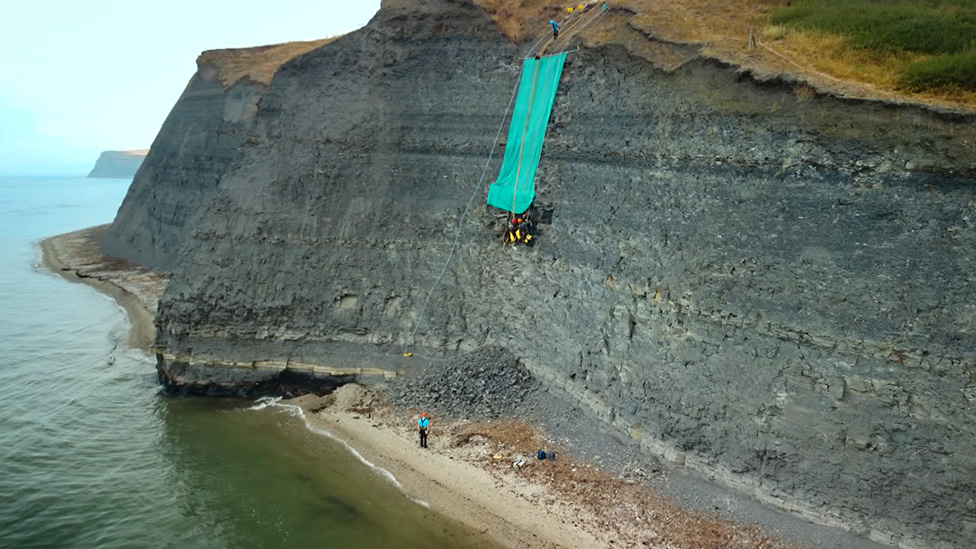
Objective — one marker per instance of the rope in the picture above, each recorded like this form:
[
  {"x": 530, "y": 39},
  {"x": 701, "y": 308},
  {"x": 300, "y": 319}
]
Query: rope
[
  {"x": 797, "y": 65},
  {"x": 545, "y": 34},
  {"x": 457, "y": 236},
  {"x": 591, "y": 19}
]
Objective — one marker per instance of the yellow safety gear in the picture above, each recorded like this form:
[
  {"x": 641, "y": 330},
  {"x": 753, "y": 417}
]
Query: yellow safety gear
[
  {"x": 528, "y": 237},
  {"x": 518, "y": 234},
  {"x": 511, "y": 237},
  {"x": 580, "y": 7},
  {"x": 570, "y": 10}
]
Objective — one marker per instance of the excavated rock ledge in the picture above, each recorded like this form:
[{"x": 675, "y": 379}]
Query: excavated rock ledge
[
  {"x": 215, "y": 379},
  {"x": 771, "y": 287}
]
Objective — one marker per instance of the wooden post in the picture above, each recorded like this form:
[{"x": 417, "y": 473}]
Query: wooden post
[{"x": 752, "y": 39}]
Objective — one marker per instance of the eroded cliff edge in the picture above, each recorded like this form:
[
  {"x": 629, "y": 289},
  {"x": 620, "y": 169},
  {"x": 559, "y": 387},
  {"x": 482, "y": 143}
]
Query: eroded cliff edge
[{"x": 771, "y": 286}]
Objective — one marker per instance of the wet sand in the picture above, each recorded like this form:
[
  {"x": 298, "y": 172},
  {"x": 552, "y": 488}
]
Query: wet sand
[{"x": 512, "y": 511}]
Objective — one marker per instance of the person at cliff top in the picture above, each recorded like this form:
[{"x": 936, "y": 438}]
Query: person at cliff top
[
  {"x": 555, "y": 29},
  {"x": 424, "y": 423}
]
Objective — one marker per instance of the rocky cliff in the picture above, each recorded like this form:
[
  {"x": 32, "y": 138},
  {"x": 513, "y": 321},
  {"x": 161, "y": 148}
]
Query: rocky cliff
[
  {"x": 118, "y": 164},
  {"x": 768, "y": 285}
]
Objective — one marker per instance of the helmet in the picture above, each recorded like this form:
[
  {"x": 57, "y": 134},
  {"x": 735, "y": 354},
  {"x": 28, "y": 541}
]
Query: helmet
[{"x": 425, "y": 414}]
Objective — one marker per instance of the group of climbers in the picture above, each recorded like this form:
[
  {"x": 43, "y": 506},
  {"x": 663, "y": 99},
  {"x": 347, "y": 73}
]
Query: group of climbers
[{"x": 519, "y": 230}]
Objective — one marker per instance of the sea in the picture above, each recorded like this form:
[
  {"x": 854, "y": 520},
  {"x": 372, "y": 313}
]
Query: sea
[{"x": 93, "y": 454}]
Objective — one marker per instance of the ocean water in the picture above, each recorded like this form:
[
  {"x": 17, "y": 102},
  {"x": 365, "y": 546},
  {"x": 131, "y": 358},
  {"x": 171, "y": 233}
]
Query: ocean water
[{"x": 92, "y": 455}]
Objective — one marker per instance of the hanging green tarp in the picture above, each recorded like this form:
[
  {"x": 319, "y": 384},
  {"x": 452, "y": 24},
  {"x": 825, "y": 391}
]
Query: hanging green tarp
[{"x": 515, "y": 188}]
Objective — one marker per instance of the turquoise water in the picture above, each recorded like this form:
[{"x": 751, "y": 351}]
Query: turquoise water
[{"x": 92, "y": 455}]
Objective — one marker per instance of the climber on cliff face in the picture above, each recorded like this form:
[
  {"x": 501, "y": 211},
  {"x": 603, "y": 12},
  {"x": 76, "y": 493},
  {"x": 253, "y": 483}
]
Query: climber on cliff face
[
  {"x": 555, "y": 29},
  {"x": 510, "y": 236},
  {"x": 525, "y": 229},
  {"x": 423, "y": 423}
]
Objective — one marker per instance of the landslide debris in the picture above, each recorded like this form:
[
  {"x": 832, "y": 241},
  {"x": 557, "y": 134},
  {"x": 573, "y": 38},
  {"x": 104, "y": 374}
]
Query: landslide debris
[{"x": 484, "y": 384}]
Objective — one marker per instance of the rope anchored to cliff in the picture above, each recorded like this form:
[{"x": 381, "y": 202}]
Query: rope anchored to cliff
[
  {"x": 460, "y": 226},
  {"x": 514, "y": 189}
]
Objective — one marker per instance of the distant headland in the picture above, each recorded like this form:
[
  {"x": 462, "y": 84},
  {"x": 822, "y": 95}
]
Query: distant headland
[{"x": 118, "y": 164}]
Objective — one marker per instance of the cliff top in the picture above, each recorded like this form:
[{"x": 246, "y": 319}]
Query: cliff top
[
  {"x": 670, "y": 32},
  {"x": 258, "y": 63},
  {"x": 132, "y": 153}
]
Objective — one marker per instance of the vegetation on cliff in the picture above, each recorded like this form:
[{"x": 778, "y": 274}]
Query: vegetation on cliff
[
  {"x": 920, "y": 45},
  {"x": 922, "y": 51},
  {"x": 903, "y": 49}
]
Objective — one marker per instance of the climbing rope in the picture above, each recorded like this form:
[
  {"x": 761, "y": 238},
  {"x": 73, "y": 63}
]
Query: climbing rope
[
  {"x": 457, "y": 236},
  {"x": 591, "y": 19}
]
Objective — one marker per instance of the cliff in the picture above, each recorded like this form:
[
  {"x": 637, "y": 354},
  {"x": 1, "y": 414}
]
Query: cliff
[
  {"x": 118, "y": 164},
  {"x": 757, "y": 281}
]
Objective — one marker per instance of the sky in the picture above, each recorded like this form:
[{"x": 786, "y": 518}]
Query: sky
[{"x": 78, "y": 78}]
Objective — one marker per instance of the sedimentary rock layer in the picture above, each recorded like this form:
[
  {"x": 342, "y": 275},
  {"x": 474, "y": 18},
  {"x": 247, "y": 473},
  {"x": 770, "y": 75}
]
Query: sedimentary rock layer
[{"x": 769, "y": 285}]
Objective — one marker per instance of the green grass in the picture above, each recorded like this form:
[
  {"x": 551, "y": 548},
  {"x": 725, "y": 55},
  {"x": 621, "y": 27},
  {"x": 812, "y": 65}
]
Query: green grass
[
  {"x": 942, "y": 72},
  {"x": 945, "y": 29}
]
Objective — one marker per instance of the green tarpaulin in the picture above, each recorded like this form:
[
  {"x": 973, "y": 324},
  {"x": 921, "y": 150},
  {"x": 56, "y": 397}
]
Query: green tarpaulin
[{"x": 515, "y": 188}]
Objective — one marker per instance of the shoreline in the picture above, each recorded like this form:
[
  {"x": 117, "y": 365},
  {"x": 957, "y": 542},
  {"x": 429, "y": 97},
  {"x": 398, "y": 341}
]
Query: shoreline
[
  {"x": 76, "y": 257},
  {"x": 441, "y": 477},
  {"x": 467, "y": 474}
]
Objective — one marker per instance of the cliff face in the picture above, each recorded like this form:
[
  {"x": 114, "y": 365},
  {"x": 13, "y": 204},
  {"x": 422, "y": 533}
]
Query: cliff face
[
  {"x": 118, "y": 164},
  {"x": 197, "y": 142},
  {"x": 767, "y": 285}
]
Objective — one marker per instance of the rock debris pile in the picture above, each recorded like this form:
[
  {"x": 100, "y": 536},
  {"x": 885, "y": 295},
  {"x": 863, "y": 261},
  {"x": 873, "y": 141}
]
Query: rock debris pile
[{"x": 483, "y": 384}]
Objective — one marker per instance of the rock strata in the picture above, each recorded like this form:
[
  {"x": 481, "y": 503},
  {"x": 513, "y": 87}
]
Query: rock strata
[{"x": 769, "y": 286}]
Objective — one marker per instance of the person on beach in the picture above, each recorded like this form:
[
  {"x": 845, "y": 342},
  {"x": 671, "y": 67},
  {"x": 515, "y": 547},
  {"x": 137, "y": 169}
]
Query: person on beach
[{"x": 424, "y": 423}]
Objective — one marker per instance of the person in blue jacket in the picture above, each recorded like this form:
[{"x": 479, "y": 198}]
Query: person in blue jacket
[
  {"x": 555, "y": 29},
  {"x": 424, "y": 423}
]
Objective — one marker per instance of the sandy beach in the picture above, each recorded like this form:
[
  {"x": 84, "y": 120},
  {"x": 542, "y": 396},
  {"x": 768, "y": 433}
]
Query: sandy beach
[{"x": 469, "y": 474}]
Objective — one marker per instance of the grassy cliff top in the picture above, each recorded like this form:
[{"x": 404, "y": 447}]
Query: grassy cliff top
[{"x": 920, "y": 51}]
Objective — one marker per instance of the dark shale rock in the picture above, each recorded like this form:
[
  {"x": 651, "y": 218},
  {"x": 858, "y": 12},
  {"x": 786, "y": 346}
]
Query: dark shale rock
[
  {"x": 775, "y": 290},
  {"x": 484, "y": 384}
]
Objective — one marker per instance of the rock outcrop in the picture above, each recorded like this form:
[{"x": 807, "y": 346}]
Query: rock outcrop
[
  {"x": 768, "y": 285},
  {"x": 118, "y": 164}
]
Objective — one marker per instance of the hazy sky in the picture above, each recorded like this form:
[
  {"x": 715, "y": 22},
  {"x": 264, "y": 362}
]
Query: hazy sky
[{"x": 80, "y": 77}]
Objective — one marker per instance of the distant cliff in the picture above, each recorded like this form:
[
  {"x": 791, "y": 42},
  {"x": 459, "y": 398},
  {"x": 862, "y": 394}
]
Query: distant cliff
[
  {"x": 766, "y": 284},
  {"x": 118, "y": 164}
]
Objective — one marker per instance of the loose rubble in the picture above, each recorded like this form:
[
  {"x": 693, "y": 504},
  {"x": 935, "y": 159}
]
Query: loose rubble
[{"x": 489, "y": 383}]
